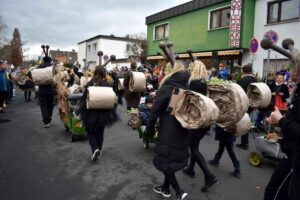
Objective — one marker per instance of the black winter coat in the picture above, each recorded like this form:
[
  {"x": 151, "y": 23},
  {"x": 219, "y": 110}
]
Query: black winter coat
[
  {"x": 290, "y": 125},
  {"x": 132, "y": 98},
  {"x": 172, "y": 146}
]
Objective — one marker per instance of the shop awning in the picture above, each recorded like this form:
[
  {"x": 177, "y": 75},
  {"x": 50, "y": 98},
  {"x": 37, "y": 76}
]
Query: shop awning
[{"x": 200, "y": 54}]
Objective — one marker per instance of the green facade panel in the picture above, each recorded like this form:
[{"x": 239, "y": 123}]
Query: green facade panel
[{"x": 191, "y": 30}]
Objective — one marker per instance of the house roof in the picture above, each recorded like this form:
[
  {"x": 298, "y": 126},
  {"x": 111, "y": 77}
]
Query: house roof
[
  {"x": 180, "y": 9},
  {"x": 108, "y": 37}
]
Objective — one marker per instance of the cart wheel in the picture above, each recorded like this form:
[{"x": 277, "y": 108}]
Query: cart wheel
[{"x": 255, "y": 158}]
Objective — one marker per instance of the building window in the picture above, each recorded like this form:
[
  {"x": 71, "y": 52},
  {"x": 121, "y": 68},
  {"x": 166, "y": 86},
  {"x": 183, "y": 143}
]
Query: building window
[
  {"x": 161, "y": 31},
  {"x": 283, "y": 10},
  {"x": 95, "y": 47},
  {"x": 220, "y": 18},
  {"x": 89, "y": 48}
]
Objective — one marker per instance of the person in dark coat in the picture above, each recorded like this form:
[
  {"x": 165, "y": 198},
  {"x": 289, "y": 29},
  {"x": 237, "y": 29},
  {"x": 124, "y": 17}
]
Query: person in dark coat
[
  {"x": 46, "y": 96},
  {"x": 95, "y": 120},
  {"x": 198, "y": 84},
  {"x": 226, "y": 140},
  {"x": 3, "y": 85},
  {"x": 244, "y": 82},
  {"x": 132, "y": 98},
  {"x": 285, "y": 180},
  {"x": 172, "y": 145}
]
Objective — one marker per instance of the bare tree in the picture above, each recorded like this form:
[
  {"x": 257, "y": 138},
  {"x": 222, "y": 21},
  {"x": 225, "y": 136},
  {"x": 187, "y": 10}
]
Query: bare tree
[
  {"x": 137, "y": 47},
  {"x": 3, "y": 28},
  {"x": 16, "y": 49}
]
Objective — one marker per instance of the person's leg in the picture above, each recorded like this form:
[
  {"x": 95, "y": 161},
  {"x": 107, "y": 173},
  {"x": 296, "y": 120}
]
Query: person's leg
[
  {"x": 91, "y": 134},
  {"x": 236, "y": 163},
  {"x": 29, "y": 95},
  {"x": 277, "y": 179},
  {"x": 25, "y": 96},
  {"x": 218, "y": 155},
  {"x": 44, "y": 108},
  {"x": 1, "y": 100},
  {"x": 50, "y": 106},
  {"x": 173, "y": 181},
  {"x": 163, "y": 189},
  {"x": 99, "y": 136}
]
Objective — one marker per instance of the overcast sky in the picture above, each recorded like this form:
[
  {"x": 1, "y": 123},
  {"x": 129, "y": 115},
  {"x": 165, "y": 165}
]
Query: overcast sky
[{"x": 64, "y": 23}]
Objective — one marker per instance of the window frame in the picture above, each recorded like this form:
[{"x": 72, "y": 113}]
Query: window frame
[
  {"x": 94, "y": 49},
  {"x": 279, "y": 12},
  {"x": 89, "y": 48},
  {"x": 158, "y": 25},
  {"x": 220, "y": 9}
]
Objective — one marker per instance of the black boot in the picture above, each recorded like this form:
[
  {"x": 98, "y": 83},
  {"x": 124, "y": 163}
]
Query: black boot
[
  {"x": 215, "y": 162},
  {"x": 237, "y": 171},
  {"x": 209, "y": 182},
  {"x": 189, "y": 172}
]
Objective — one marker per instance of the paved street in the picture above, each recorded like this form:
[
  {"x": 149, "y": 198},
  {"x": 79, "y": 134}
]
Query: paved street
[{"x": 42, "y": 164}]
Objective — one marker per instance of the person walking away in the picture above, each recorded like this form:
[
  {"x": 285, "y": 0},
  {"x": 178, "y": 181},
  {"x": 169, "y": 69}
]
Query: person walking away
[
  {"x": 244, "y": 82},
  {"x": 171, "y": 150},
  {"x": 46, "y": 96},
  {"x": 95, "y": 120},
  {"x": 198, "y": 84},
  {"x": 132, "y": 98},
  {"x": 226, "y": 140}
]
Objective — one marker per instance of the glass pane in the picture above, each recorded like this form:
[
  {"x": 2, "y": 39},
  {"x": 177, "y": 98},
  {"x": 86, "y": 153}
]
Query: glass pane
[
  {"x": 290, "y": 9},
  {"x": 215, "y": 19},
  {"x": 273, "y": 13},
  {"x": 225, "y": 17},
  {"x": 159, "y": 32},
  {"x": 167, "y": 30}
]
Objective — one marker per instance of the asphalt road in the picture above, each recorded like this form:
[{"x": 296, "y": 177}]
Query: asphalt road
[{"x": 42, "y": 164}]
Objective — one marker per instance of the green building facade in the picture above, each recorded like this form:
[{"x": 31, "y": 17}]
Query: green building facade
[{"x": 203, "y": 26}]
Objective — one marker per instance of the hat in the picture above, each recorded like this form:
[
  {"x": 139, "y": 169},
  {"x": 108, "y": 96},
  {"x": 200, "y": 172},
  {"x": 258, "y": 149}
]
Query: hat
[{"x": 1, "y": 62}]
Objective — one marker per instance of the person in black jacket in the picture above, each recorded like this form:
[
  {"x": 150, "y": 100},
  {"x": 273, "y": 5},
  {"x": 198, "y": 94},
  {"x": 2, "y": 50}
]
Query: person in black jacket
[
  {"x": 95, "y": 120},
  {"x": 132, "y": 98},
  {"x": 46, "y": 96},
  {"x": 244, "y": 82},
  {"x": 198, "y": 84},
  {"x": 285, "y": 181},
  {"x": 172, "y": 146}
]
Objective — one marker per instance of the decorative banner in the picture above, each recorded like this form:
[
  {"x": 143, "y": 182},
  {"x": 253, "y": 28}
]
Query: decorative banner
[
  {"x": 235, "y": 23},
  {"x": 253, "y": 45},
  {"x": 271, "y": 35}
]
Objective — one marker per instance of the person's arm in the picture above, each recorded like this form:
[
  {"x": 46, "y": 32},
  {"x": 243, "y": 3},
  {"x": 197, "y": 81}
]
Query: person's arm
[{"x": 159, "y": 107}]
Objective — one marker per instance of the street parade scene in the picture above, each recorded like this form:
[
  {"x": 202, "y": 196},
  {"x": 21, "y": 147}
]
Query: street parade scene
[{"x": 150, "y": 100}]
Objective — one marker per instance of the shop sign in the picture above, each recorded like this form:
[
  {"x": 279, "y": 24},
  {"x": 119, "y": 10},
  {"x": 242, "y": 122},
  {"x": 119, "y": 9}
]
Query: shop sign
[{"x": 235, "y": 23}]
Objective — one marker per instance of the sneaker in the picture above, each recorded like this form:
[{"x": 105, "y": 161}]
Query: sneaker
[
  {"x": 181, "y": 196},
  {"x": 189, "y": 172},
  {"x": 47, "y": 125},
  {"x": 243, "y": 146},
  {"x": 213, "y": 163},
  {"x": 146, "y": 144},
  {"x": 96, "y": 155},
  {"x": 163, "y": 191},
  {"x": 209, "y": 183}
]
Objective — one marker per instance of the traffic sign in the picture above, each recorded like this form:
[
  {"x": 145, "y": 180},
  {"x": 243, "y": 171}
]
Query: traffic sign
[
  {"x": 253, "y": 45},
  {"x": 271, "y": 35}
]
